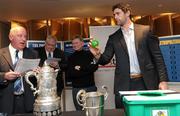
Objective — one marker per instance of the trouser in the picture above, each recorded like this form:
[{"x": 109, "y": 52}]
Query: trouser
[
  {"x": 76, "y": 90},
  {"x": 135, "y": 85},
  {"x": 19, "y": 106}
]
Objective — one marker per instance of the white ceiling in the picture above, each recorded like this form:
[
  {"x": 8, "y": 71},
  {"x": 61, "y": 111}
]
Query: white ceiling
[{"x": 48, "y": 9}]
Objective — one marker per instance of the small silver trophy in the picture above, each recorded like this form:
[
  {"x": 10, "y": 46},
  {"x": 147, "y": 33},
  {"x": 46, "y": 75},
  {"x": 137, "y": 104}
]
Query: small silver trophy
[{"x": 92, "y": 102}]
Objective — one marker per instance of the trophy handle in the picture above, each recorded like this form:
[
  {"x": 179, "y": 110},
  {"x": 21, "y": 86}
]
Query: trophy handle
[
  {"x": 81, "y": 99},
  {"x": 105, "y": 93},
  {"x": 27, "y": 75},
  {"x": 56, "y": 72}
]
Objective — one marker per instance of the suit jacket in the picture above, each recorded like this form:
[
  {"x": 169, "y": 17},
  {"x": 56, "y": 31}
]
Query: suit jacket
[
  {"x": 7, "y": 88},
  {"x": 149, "y": 56},
  {"x": 62, "y": 64}
]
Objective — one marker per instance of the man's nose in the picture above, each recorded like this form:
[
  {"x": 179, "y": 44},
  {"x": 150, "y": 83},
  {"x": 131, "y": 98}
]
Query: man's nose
[
  {"x": 115, "y": 17},
  {"x": 24, "y": 38}
]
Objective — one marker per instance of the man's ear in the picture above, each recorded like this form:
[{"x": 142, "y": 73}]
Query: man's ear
[
  {"x": 10, "y": 37},
  {"x": 128, "y": 13},
  {"x": 82, "y": 43}
]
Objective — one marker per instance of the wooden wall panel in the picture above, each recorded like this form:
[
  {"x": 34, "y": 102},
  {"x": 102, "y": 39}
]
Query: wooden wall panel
[
  {"x": 162, "y": 26},
  {"x": 4, "y": 32},
  {"x": 176, "y": 25}
]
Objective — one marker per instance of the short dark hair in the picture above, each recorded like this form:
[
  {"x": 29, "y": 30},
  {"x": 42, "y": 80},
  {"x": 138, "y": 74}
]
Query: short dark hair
[
  {"x": 124, "y": 7},
  {"x": 78, "y": 37}
]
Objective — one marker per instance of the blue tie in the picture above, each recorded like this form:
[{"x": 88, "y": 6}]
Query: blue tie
[
  {"x": 18, "y": 87},
  {"x": 49, "y": 55},
  {"x": 16, "y": 58}
]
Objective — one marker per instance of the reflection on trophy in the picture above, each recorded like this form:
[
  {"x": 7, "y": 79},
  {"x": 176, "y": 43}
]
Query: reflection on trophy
[
  {"x": 47, "y": 102},
  {"x": 92, "y": 102}
]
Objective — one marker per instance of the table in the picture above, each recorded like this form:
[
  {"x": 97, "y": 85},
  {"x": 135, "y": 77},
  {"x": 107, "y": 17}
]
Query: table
[
  {"x": 112, "y": 112},
  {"x": 109, "y": 112}
]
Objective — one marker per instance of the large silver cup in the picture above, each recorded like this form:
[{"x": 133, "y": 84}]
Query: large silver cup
[
  {"x": 47, "y": 102},
  {"x": 92, "y": 102}
]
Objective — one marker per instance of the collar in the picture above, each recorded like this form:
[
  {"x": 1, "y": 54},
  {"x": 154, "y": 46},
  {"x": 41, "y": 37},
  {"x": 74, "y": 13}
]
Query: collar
[
  {"x": 131, "y": 27},
  {"x": 12, "y": 51}
]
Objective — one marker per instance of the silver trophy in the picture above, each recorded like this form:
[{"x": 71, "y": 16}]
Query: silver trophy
[
  {"x": 47, "y": 102},
  {"x": 92, "y": 102}
]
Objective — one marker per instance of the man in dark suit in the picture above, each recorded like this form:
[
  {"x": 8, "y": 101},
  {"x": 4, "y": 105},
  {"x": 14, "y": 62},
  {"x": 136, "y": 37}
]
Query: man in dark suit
[
  {"x": 11, "y": 102},
  {"x": 139, "y": 62},
  {"x": 50, "y": 51}
]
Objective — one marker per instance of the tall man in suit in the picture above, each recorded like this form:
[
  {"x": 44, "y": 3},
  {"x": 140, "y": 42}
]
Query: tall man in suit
[
  {"x": 12, "y": 102},
  {"x": 139, "y": 62},
  {"x": 50, "y": 51}
]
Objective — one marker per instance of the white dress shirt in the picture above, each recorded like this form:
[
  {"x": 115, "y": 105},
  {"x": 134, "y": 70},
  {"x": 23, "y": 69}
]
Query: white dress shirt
[
  {"x": 13, "y": 53},
  {"x": 47, "y": 54},
  {"x": 13, "y": 58},
  {"x": 130, "y": 42}
]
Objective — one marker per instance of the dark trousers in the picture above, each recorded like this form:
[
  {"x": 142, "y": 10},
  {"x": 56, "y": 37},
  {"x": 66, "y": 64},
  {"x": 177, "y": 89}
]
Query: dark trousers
[
  {"x": 135, "y": 85},
  {"x": 76, "y": 90},
  {"x": 19, "y": 106}
]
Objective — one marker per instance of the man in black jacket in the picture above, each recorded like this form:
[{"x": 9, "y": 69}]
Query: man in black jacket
[
  {"x": 81, "y": 68},
  {"x": 139, "y": 62},
  {"x": 50, "y": 51}
]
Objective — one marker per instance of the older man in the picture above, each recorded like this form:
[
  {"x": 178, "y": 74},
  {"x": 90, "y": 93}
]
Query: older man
[
  {"x": 50, "y": 51},
  {"x": 12, "y": 99}
]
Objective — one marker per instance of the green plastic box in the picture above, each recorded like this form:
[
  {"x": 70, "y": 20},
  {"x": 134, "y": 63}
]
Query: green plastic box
[{"x": 145, "y": 105}]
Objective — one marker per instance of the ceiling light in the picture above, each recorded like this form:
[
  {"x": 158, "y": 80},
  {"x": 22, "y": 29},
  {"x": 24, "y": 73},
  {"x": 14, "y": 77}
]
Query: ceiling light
[
  {"x": 70, "y": 18},
  {"x": 164, "y": 14}
]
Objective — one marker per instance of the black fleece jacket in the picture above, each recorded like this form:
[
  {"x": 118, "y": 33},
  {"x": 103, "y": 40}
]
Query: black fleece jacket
[{"x": 84, "y": 77}]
